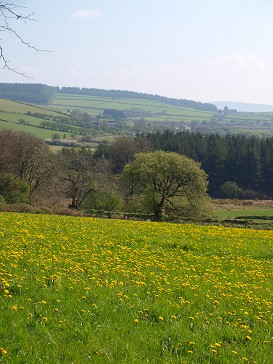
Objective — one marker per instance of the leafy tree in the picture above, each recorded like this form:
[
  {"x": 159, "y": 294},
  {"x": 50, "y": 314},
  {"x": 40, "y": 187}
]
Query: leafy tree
[
  {"x": 80, "y": 174},
  {"x": 13, "y": 189},
  {"x": 122, "y": 151},
  {"x": 25, "y": 156},
  {"x": 231, "y": 190},
  {"x": 108, "y": 201},
  {"x": 168, "y": 183}
]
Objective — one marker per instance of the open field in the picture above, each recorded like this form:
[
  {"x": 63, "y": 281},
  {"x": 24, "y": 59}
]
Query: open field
[
  {"x": 14, "y": 115},
  {"x": 248, "y": 213},
  {"x": 136, "y": 107},
  {"x": 149, "y": 112},
  {"x": 82, "y": 290}
]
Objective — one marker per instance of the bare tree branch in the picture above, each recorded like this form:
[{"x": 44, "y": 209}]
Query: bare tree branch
[{"x": 10, "y": 13}]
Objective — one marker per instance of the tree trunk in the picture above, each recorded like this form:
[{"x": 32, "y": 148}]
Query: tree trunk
[{"x": 158, "y": 213}]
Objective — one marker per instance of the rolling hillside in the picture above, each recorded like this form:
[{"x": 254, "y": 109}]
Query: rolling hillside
[{"x": 89, "y": 118}]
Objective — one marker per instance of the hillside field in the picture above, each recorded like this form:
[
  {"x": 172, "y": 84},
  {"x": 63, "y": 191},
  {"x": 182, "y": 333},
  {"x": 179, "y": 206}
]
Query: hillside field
[
  {"x": 84, "y": 290},
  {"x": 141, "y": 115}
]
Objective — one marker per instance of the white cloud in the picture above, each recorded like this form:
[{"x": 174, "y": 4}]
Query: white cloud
[
  {"x": 237, "y": 62},
  {"x": 88, "y": 14},
  {"x": 30, "y": 72},
  {"x": 73, "y": 72}
]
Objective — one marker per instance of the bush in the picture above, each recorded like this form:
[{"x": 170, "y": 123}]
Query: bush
[
  {"x": 110, "y": 201},
  {"x": 230, "y": 190},
  {"x": 13, "y": 189}
]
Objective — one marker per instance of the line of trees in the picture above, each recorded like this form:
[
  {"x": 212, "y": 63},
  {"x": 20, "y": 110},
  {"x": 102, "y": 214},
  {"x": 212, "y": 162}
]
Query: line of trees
[
  {"x": 163, "y": 174},
  {"x": 127, "y": 177},
  {"x": 30, "y": 92}
]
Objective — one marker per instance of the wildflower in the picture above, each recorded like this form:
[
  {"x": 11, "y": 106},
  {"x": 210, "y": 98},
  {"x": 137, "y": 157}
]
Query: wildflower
[
  {"x": 136, "y": 321},
  {"x": 3, "y": 351}
]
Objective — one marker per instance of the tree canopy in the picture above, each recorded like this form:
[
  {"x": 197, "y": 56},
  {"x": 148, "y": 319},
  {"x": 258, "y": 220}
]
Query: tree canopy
[{"x": 168, "y": 183}]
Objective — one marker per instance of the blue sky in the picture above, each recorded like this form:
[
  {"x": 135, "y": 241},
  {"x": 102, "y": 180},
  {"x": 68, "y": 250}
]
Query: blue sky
[{"x": 204, "y": 50}]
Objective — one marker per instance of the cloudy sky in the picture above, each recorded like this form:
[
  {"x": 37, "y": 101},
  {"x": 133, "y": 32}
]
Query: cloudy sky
[{"x": 204, "y": 50}]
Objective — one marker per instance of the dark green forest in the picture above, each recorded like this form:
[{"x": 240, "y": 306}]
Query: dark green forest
[
  {"x": 28, "y": 92},
  {"x": 247, "y": 161}
]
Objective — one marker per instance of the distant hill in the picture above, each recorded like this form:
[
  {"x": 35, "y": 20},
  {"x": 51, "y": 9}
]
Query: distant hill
[
  {"x": 43, "y": 94},
  {"x": 119, "y": 94},
  {"x": 243, "y": 106}
]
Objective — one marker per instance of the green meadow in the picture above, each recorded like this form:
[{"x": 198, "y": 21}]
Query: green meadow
[
  {"x": 150, "y": 111},
  {"x": 85, "y": 290}
]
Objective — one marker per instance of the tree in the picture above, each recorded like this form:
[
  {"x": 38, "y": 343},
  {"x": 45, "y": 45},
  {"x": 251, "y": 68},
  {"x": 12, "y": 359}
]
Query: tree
[
  {"x": 230, "y": 189},
  {"x": 168, "y": 183},
  {"x": 25, "y": 156},
  {"x": 10, "y": 14},
  {"x": 12, "y": 189},
  {"x": 80, "y": 174},
  {"x": 122, "y": 151}
]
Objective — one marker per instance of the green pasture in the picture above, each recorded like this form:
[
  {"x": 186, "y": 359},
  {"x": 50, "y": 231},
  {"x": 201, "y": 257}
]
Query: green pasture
[
  {"x": 85, "y": 290},
  {"x": 233, "y": 213},
  {"x": 157, "y": 109},
  {"x": 31, "y": 125},
  {"x": 20, "y": 108}
]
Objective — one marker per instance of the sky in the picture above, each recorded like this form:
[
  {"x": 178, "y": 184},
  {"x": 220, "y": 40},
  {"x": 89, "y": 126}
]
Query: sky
[{"x": 202, "y": 50}]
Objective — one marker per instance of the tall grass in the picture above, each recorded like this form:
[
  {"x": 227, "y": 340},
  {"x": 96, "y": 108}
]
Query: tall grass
[{"x": 83, "y": 290}]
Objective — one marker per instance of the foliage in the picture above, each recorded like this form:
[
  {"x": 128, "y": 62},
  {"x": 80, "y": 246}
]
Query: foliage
[
  {"x": 247, "y": 161},
  {"x": 113, "y": 113},
  {"x": 108, "y": 201},
  {"x": 33, "y": 93},
  {"x": 230, "y": 190},
  {"x": 27, "y": 157},
  {"x": 122, "y": 151},
  {"x": 133, "y": 292},
  {"x": 168, "y": 182},
  {"x": 80, "y": 174},
  {"x": 12, "y": 189}
]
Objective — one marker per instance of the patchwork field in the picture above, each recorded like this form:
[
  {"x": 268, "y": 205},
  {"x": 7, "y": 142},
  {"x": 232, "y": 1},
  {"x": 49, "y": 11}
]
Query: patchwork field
[{"x": 82, "y": 290}]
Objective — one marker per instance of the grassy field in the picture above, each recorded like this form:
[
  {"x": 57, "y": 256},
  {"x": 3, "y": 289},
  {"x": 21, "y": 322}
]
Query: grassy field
[
  {"x": 12, "y": 112},
  {"x": 158, "y": 111},
  {"x": 83, "y": 290},
  {"x": 136, "y": 110}
]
